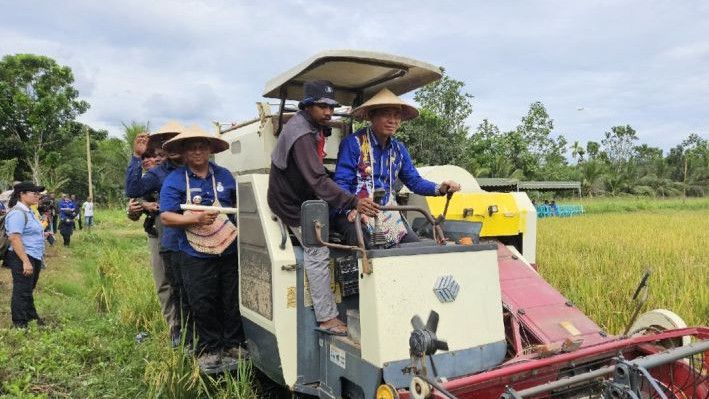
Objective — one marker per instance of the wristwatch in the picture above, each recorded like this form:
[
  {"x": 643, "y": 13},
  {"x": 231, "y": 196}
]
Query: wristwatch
[{"x": 438, "y": 189}]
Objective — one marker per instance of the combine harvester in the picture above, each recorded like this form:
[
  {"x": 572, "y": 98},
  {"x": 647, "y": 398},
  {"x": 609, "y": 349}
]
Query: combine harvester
[{"x": 493, "y": 327}]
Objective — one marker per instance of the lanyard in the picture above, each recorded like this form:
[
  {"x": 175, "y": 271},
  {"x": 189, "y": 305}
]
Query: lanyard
[
  {"x": 370, "y": 155},
  {"x": 188, "y": 196}
]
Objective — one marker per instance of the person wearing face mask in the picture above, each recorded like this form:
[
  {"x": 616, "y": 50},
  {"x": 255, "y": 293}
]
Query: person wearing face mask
[
  {"x": 372, "y": 159},
  {"x": 297, "y": 174}
]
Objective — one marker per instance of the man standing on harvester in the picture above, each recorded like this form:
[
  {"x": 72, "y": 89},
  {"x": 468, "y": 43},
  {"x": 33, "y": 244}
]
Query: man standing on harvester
[{"x": 297, "y": 175}]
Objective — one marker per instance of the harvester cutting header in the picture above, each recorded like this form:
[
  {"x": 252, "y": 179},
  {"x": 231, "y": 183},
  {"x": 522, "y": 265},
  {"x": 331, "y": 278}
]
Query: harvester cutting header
[{"x": 460, "y": 312}]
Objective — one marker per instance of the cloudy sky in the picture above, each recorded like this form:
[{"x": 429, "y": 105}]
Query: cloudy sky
[{"x": 594, "y": 64}]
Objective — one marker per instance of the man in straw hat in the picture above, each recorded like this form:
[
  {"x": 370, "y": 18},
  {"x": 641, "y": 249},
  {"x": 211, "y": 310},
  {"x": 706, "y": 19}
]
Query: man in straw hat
[
  {"x": 163, "y": 248},
  {"x": 297, "y": 175},
  {"x": 210, "y": 277},
  {"x": 372, "y": 159}
]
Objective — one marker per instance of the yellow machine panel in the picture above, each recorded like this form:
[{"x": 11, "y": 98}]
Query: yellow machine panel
[{"x": 499, "y": 213}]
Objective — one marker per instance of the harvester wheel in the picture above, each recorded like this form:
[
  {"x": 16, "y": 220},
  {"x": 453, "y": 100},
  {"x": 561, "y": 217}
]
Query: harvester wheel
[
  {"x": 419, "y": 389},
  {"x": 659, "y": 320}
]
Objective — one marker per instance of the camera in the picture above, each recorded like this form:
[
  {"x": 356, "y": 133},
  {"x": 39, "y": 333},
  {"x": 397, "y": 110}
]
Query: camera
[{"x": 46, "y": 205}]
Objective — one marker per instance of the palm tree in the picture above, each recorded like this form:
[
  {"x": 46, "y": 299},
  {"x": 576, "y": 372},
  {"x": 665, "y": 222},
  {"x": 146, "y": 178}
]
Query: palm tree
[
  {"x": 577, "y": 151},
  {"x": 503, "y": 167},
  {"x": 592, "y": 173},
  {"x": 131, "y": 131}
]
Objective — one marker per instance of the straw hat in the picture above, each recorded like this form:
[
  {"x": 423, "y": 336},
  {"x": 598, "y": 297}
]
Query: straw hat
[
  {"x": 195, "y": 132},
  {"x": 385, "y": 99},
  {"x": 164, "y": 133}
]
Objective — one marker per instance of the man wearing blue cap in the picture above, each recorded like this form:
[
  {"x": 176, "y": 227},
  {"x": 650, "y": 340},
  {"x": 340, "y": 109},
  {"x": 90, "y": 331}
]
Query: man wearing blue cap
[{"x": 297, "y": 175}]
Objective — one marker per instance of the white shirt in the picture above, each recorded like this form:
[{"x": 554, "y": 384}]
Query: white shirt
[{"x": 88, "y": 208}]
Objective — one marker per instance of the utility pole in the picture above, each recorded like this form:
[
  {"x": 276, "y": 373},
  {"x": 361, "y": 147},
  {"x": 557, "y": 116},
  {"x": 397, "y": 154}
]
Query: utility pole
[{"x": 88, "y": 162}]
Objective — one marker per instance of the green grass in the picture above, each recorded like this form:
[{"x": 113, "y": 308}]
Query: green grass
[
  {"x": 96, "y": 296},
  {"x": 633, "y": 204}
]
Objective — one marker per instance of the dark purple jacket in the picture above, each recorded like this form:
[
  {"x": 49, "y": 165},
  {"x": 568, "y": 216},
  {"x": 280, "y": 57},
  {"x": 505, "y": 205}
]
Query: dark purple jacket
[{"x": 304, "y": 176}]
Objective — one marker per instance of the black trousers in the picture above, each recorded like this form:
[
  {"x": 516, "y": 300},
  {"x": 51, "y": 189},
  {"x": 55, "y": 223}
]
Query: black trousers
[
  {"x": 172, "y": 261},
  {"x": 22, "y": 303},
  {"x": 212, "y": 288},
  {"x": 349, "y": 233},
  {"x": 66, "y": 229}
]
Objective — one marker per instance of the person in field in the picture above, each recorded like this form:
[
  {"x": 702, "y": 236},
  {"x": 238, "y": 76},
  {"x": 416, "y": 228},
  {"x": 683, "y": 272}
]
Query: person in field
[
  {"x": 25, "y": 253},
  {"x": 297, "y": 175},
  {"x": 373, "y": 159},
  {"x": 207, "y": 244}
]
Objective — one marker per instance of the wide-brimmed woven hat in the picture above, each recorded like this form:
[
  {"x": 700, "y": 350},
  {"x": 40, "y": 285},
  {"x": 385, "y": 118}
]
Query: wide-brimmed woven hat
[
  {"x": 385, "y": 99},
  {"x": 195, "y": 132},
  {"x": 165, "y": 133}
]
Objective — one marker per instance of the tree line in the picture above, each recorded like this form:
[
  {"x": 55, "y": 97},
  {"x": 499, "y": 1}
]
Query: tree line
[
  {"x": 615, "y": 164},
  {"x": 42, "y": 140}
]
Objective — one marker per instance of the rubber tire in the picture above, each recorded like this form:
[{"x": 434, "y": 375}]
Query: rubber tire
[{"x": 659, "y": 320}]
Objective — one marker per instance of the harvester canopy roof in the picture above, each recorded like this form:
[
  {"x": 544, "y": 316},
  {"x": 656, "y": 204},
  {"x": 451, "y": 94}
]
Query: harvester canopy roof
[{"x": 356, "y": 75}]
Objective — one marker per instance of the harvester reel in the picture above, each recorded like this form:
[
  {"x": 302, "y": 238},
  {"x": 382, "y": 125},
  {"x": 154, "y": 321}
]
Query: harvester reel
[
  {"x": 423, "y": 340},
  {"x": 659, "y": 320}
]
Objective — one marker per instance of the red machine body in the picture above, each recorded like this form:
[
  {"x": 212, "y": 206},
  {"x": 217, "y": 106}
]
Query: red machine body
[{"x": 550, "y": 340}]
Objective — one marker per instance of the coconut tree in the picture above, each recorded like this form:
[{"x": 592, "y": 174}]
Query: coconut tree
[
  {"x": 592, "y": 177},
  {"x": 577, "y": 151}
]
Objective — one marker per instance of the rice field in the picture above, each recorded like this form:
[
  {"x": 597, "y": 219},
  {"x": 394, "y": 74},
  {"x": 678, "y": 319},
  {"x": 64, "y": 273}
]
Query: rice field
[{"x": 597, "y": 260}]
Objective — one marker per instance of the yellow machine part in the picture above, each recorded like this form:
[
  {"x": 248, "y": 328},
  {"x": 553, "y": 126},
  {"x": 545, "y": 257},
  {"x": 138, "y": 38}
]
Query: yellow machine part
[{"x": 507, "y": 221}]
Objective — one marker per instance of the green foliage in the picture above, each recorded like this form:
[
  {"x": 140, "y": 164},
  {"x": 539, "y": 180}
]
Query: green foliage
[
  {"x": 131, "y": 131},
  {"x": 639, "y": 203},
  {"x": 38, "y": 129},
  {"x": 438, "y": 136},
  {"x": 617, "y": 165},
  {"x": 39, "y": 105},
  {"x": 618, "y": 145},
  {"x": 7, "y": 172}
]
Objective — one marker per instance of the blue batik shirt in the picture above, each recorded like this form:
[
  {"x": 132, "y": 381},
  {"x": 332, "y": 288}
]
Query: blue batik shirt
[
  {"x": 364, "y": 164},
  {"x": 173, "y": 194},
  {"x": 66, "y": 209},
  {"x": 28, "y": 227},
  {"x": 139, "y": 184}
]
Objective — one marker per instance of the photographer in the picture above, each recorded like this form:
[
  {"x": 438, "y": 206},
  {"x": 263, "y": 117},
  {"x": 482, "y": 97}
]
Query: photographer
[{"x": 46, "y": 208}]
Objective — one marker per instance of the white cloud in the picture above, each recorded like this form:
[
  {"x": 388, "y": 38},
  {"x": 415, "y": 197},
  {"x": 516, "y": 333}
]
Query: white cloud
[{"x": 636, "y": 62}]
